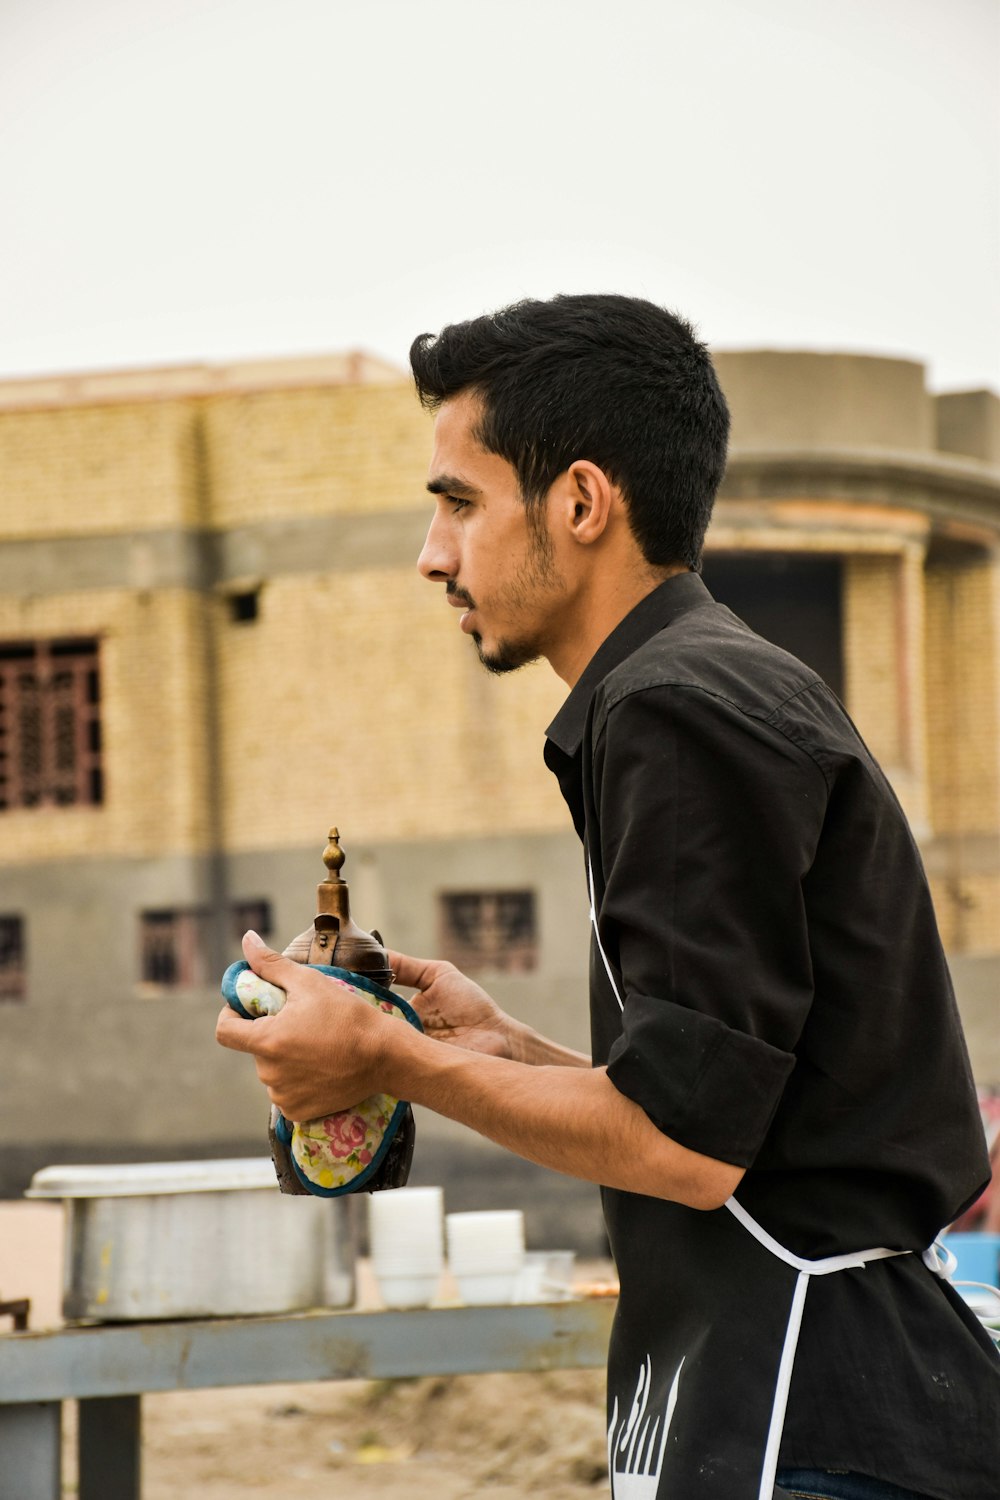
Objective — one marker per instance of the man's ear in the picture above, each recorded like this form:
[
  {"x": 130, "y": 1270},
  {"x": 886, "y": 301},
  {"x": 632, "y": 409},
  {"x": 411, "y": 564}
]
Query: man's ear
[{"x": 588, "y": 499}]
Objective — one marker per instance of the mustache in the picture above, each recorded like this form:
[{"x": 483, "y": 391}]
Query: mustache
[{"x": 454, "y": 592}]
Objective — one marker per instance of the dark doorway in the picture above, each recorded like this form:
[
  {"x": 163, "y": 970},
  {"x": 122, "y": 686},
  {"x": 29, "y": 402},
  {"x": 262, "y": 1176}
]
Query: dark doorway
[{"x": 790, "y": 598}]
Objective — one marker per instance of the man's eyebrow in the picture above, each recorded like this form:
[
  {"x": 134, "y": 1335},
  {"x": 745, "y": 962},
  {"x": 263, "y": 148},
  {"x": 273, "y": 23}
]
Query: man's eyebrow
[{"x": 448, "y": 484}]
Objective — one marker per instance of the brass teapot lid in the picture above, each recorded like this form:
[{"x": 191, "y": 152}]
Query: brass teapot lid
[{"x": 337, "y": 937}]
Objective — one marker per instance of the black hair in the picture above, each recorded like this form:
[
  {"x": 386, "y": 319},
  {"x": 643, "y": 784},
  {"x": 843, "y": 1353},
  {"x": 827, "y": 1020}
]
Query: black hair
[{"x": 614, "y": 380}]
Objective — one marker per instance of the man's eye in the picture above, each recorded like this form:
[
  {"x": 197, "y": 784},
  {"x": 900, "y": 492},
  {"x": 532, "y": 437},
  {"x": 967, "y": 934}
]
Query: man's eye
[{"x": 457, "y": 503}]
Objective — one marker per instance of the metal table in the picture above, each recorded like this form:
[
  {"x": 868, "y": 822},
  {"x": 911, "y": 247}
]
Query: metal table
[{"x": 108, "y": 1367}]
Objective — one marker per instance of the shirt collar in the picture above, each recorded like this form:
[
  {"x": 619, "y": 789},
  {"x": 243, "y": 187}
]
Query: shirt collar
[{"x": 675, "y": 596}]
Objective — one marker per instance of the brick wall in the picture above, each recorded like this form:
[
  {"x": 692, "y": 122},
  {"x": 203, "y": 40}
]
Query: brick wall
[
  {"x": 884, "y": 603},
  {"x": 963, "y": 696},
  {"x": 339, "y": 450},
  {"x": 353, "y": 698},
  {"x": 85, "y": 471},
  {"x": 963, "y": 689},
  {"x": 871, "y": 652}
]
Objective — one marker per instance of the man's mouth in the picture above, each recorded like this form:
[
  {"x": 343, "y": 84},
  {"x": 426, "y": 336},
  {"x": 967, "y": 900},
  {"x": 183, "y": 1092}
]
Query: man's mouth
[{"x": 459, "y": 600}]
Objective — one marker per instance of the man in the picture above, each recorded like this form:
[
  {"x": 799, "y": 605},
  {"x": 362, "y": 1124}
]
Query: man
[{"x": 779, "y": 1108}]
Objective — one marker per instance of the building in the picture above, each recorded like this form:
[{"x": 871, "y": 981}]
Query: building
[{"x": 214, "y": 645}]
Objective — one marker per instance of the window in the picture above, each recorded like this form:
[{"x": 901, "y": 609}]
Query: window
[
  {"x": 174, "y": 948},
  {"x": 247, "y": 915},
  {"x": 176, "y": 944},
  {"x": 12, "y": 979},
  {"x": 50, "y": 727},
  {"x": 489, "y": 930},
  {"x": 244, "y": 607}
]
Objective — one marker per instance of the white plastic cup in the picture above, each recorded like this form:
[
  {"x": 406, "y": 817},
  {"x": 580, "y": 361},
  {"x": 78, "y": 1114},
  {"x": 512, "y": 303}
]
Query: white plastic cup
[
  {"x": 479, "y": 1290},
  {"x": 407, "y": 1210},
  {"x": 486, "y": 1265},
  {"x": 406, "y": 1221},
  {"x": 558, "y": 1279},
  {"x": 531, "y": 1279},
  {"x": 486, "y": 1254},
  {"x": 499, "y": 1230},
  {"x": 406, "y": 1243},
  {"x": 547, "y": 1277},
  {"x": 408, "y": 1289}
]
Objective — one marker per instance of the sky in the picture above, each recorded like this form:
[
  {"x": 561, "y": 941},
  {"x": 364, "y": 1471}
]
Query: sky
[{"x": 209, "y": 180}]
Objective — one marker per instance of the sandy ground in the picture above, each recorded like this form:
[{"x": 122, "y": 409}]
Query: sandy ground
[{"x": 505, "y": 1436}]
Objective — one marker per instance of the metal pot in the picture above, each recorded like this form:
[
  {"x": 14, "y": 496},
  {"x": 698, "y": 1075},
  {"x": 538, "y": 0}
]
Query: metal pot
[{"x": 196, "y": 1239}]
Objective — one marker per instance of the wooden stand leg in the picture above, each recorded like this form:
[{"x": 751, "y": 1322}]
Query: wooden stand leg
[
  {"x": 110, "y": 1448},
  {"x": 31, "y": 1451}
]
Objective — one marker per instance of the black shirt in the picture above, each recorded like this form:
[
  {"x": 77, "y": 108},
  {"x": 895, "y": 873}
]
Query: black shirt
[{"x": 787, "y": 1008}]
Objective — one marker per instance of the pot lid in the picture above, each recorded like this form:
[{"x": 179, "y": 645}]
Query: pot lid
[{"x": 141, "y": 1179}]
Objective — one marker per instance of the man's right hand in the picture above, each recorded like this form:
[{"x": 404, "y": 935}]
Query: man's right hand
[{"x": 453, "y": 1008}]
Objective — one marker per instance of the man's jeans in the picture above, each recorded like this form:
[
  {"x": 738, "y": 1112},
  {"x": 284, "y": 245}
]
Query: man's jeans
[{"x": 820, "y": 1485}]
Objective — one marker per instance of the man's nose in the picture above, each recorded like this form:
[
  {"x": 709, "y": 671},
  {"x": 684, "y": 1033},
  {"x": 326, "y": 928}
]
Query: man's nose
[{"x": 436, "y": 561}]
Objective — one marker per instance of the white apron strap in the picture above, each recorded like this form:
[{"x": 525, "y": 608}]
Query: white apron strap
[
  {"x": 600, "y": 945},
  {"x": 824, "y": 1267},
  {"x": 806, "y": 1270},
  {"x": 781, "y": 1388}
]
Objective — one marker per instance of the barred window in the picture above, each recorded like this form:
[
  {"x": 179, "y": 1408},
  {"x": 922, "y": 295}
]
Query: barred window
[
  {"x": 489, "y": 930},
  {"x": 12, "y": 975},
  {"x": 175, "y": 944},
  {"x": 50, "y": 726},
  {"x": 174, "y": 948},
  {"x": 250, "y": 915}
]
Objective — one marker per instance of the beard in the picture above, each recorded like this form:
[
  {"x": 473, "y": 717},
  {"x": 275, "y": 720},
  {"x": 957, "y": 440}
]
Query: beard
[
  {"x": 507, "y": 656},
  {"x": 536, "y": 576}
]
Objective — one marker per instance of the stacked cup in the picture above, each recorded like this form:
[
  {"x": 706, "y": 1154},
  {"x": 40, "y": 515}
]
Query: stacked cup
[
  {"x": 406, "y": 1244},
  {"x": 486, "y": 1254},
  {"x": 547, "y": 1277}
]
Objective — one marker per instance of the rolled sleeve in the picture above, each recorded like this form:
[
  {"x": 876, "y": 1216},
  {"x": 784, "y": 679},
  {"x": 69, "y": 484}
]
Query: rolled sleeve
[
  {"x": 709, "y": 819},
  {"x": 708, "y": 1087}
]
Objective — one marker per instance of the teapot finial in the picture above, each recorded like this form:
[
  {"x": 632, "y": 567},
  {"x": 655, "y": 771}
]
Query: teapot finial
[{"x": 333, "y": 856}]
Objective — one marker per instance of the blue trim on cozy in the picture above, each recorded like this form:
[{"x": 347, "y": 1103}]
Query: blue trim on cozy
[{"x": 359, "y": 981}]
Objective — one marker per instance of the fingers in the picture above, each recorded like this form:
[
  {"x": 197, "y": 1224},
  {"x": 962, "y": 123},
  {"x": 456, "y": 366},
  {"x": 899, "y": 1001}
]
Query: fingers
[
  {"x": 234, "y": 1032},
  {"x": 416, "y": 973},
  {"x": 268, "y": 964}
]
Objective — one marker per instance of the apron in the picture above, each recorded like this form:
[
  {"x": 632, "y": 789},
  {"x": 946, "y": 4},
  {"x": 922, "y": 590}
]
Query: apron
[{"x": 702, "y": 1415}]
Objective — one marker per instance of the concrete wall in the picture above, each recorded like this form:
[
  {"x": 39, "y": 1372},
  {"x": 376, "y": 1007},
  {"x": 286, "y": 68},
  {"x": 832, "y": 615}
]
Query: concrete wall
[
  {"x": 968, "y": 422},
  {"x": 821, "y": 401}
]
